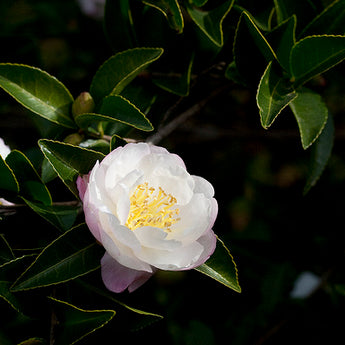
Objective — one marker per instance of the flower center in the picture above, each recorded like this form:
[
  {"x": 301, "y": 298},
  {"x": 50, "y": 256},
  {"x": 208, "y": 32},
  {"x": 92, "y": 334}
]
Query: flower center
[{"x": 151, "y": 208}]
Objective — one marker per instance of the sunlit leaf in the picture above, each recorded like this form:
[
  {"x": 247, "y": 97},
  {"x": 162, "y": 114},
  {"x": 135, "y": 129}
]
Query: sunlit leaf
[
  {"x": 119, "y": 110},
  {"x": 118, "y": 71},
  {"x": 311, "y": 114},
  {"x": 323, "y": 52},
  {"x": 221, "y": 267},
  {"x": 273, "y": 95},
  {"x": 69, "y": 161},
  {"x": 320, "y": 153},
  {"x": 38, "y": 91},
  {"x": 73, "y": 254}
]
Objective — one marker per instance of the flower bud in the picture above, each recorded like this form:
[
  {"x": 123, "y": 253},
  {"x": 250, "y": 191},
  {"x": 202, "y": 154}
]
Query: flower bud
[
  {"x": 74, "y": 139},
  {"x": 83, "y": 104}
]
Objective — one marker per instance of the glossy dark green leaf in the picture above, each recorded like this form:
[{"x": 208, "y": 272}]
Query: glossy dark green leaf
[
  {"x": 38, "y": 91},
  {"x": 311, "y": 114},
  {"x": 314, "y": 55},
  {"x": 251, "y": 50},
  {"x": 282, "y": 39},
  {"x": 320, "y": 153},
  {"x": 8, "y": 273},
  {"x": 61, "y": 216},
  {"x": 6, "y": 253},
  {"x": 118, "y": 71},
  {"x": 221, "y": 267},
  {"x": 330, "y": 21},
  {"x": 129, "y": 318},
  {"x": 273, "y": 95},
  {"x": 69, "y": 161},
  {"x": 99, "y": 145},
  {"x": 117, "y": 109},
  {"x": 211, "y": 22},
  {"x": 176, "y": 83},
  {"x": 171, "y": 10},
  {"x": 30, "y": 183},
  {"x": 305, "y": 10},
  {"x": 8, "y": 180},
  {"x": 75, "y": 323},
  {"x": 118, "y": 25},
  {"x": 73, "y": 254}
]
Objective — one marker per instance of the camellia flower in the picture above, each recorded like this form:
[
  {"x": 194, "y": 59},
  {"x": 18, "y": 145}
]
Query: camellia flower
[
  {"x": 4, "y": 152},
  {"x": 149, "y": 213}
]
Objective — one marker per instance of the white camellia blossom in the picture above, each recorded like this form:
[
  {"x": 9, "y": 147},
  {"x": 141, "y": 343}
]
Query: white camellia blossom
[
  {"x": 149, "y": 213},
  {"x": 4, "y": 152},
  {"x": 4, "y": 149}
]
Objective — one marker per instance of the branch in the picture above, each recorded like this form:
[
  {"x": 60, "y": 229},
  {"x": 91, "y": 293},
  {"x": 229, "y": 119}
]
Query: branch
[{"x": 164, "y": 131}]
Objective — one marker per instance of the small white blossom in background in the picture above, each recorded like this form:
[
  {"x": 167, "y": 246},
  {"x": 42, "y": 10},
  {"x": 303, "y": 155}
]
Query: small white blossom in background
[
  {"x": 92, "y": 8},
  {"x": 149, "y": 213},
  {"x": 4, "y": 149},
  {"x": 305, "y": 285},
  {"x": 4, "y": 152}
]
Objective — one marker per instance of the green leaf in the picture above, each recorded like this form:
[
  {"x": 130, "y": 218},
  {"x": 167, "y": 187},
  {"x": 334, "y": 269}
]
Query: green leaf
[
  {"x": 304, "y": 10},
  {"x": 6, "y": 253},
  {"x": 75, "y": 323},
  {"x": 320, "y": 153},
  {"x": 273, "y": 95},
  {"x": 69, "y": 161},
  {"x": 61, "y": 216},
  {"x": 251, "y": 49},
  {"x": 211, "y": 22},
  {"x": 30, "y": 183},
  {"x": 330, "y": 21},
  {"x": 118, "y": 71},
  {"x": 282, "y": 39},
  {"x": 8, "y": 273},
  {"x": 177, "y": 84},
  {"x": 323, "y": 52},
  {"x": 73, "y": 254},
  {"x": 118, "y": 25},
  {"x": 8, "y": 180},
  {"x": 171, "y": 10},
  {"x": 129, "y": 318},
  {"x": 221, "y": 267},
  {"x": 311, "y": 114},
  {"x": 33, "y": 341},
  {"x": 119, "y": 110},
  {"x": 38, "y": 91}
]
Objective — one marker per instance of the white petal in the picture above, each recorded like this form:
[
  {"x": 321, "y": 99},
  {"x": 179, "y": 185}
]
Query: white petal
[
  {"x": 126, "y": 161},
  {"x": 178, "y": 259},
  {"x": 121, "y": 243},
  {"x": 203, "y": 186},
  {"x": 151, "y": 237},
  {"x": 162, "y": 171},
  {"x": 195, "y": 219}
]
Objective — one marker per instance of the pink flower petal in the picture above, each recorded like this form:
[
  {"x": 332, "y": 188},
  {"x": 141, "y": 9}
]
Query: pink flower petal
[
  {"x": 118, "y": 278},
  {"x": 82, "y": 182}
]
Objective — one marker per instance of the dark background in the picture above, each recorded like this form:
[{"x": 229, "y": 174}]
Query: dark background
[{"x": 273, "y": 231}]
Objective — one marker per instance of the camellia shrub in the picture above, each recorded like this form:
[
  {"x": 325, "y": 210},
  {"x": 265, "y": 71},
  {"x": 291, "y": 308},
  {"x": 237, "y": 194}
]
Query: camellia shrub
[{"x": 131, "y": 208}]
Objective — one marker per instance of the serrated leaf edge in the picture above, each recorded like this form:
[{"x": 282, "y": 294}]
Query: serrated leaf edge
[
  {"x": 50, "y": 76},
  {"x": 257, "y": 100},
  {"x": 293, "y": 79},
  {"x": 113, "y": 312},
  {"x": 13, "y": 287},
  {"x": 238, "y": 287}
]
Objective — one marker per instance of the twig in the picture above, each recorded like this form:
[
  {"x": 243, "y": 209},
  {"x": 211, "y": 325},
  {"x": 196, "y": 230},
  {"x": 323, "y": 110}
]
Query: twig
[{"x": 164, "y": 131}]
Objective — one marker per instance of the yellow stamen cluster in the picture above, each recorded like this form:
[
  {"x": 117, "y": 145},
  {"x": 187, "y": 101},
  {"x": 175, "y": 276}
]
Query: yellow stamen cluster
[{"x": 151, "y": 208}]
